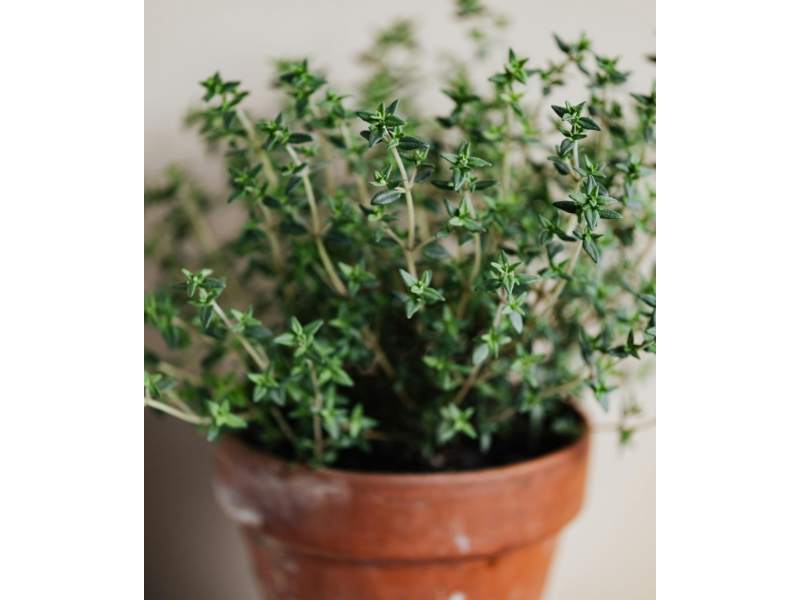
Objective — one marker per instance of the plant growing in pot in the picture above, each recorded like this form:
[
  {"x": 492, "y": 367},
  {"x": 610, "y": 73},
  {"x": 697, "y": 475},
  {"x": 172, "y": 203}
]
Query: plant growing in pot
[{"x": 391, "y": 349}]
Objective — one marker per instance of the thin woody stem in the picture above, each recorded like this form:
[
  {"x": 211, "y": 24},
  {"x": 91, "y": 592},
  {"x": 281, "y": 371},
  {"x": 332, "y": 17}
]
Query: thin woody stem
[
  {"x": 339, "y": 287},
  {"x": 171, "y": 370},
  {"x": 645, "y": 254},
  {"x": 318, "y": 442},
  {"x": 360, "y": 185},
  {"x": 177, "y": 401},
  {"x": 506, "y": 164},
  {"x": 194, "y": 419},
  {"x": 325, "y": 148},
  {"x": 178, "y": 414},
  {"x": 272, "y": 179},
  {"x": 373, "y": 343},
  {"x": 258, "y": 358},
  {"x": 476, "y": 265},
  {"x": 255, "y": 146},
  {"x": 336, "y": 282},
  {"x": 205, "y": 236},
  {"x": 575, "y": 156},
  {"x": 476, "y": 260},
  {"x": 552, "y": 297},
  {"x": 283, "y": 425},
  {"x": 262, "y": 362},
  {"x": 421, "y": 213},
  {"x": 550, "y": 391},
  {"x": 615, "y": 427},
  {"x": 412, "y": 226},
  {"x": 271, "y": 237},
  {"x": 380, "y": 356},
  {"x": 409, "y": 255},
  {"x": 476, "y": 369}
]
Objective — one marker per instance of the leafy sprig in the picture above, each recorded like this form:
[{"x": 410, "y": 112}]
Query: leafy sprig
[{"x": 436, "y": 288}]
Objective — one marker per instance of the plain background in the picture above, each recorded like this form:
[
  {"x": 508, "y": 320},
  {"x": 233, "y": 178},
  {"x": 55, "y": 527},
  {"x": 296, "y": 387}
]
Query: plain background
[{"x": 190, "y": 549}]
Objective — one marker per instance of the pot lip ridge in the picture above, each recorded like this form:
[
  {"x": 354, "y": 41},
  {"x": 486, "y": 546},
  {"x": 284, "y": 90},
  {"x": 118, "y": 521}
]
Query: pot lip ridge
[{"x": 564, "y": 454}]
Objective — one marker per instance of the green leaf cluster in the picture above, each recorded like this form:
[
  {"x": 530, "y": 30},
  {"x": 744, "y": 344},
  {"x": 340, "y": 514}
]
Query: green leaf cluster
[{"x": 406, "y": 291}]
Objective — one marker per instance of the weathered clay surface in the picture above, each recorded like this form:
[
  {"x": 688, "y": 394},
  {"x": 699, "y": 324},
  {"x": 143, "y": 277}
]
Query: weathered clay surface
[{"x": 334, "y": 535}]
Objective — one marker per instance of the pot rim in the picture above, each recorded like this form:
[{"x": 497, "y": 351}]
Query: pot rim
[{"x": 433, "y": 478}]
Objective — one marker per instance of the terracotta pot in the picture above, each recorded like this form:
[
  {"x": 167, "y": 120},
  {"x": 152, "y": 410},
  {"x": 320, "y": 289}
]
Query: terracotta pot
[{"x": 337, "y": 535}]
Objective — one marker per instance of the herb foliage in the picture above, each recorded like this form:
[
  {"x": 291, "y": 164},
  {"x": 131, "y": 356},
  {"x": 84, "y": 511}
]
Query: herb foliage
[{"x": 409, "y": 292}]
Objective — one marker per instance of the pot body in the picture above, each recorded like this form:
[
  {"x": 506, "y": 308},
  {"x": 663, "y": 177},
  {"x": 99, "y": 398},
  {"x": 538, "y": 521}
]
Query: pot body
[{"x": 335, "y": 535}]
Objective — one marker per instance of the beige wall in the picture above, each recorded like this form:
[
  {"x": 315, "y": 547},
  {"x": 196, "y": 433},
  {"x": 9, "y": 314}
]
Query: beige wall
[
  {"x": 191, "y": 552},
  {"x": 186, "y": 40}
]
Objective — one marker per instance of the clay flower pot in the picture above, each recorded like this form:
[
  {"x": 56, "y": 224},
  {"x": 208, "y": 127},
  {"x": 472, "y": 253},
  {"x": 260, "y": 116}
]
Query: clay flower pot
[{"x": 336, "y": 535}]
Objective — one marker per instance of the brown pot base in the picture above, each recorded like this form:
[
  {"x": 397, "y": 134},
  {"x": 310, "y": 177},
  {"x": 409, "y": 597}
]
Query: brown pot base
[
  {"x": 336, "y": 535},
  {"x": 518, "y": 574}
]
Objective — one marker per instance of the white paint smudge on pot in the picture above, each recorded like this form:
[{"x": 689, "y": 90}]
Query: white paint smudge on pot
[
  {"x": 237, "y": 507},
  {"x": 462, "y": 542}
]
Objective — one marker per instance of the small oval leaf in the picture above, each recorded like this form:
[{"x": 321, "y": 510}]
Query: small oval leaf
[
  {"x": 386, "y": 197},
  {"x": 480, "y": 354}
]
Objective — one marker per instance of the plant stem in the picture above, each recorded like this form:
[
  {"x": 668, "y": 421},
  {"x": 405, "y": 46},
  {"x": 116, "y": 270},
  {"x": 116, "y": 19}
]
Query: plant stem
[
  {"x": 421, "y": 213},
  {"x": 562, "y": 387},
  {"x": 360, "y": 185},
  {"x": 271, "y": 237},
  {"x": 263, "y": 363},
  {"x": 390, "y": 232},
  {"x": 178, "y": 414},
  {"x": 338, "y": 286},
  {"x": 556, "y": 389},
  {"x": 325, "y": 150},
  {"x": 315, "y": 413},
  {"x": 255, "y": 146},
  {"x": 177, "y": 401},
  {"x": 600, "y": 144},
  {"x": 476, "y": 263},
  {"x": 476, "y": 238},
  {"x": 476, "y": 369},
  {"x": 467, "y": 386},
  {"x": 614, "y": 427},
  {"x": 409, "y": 200},
  {"x": 409, "y": 255},
  {"x": 171, "y": 370},
  {"x": 476, "y": 260},
  {"x": 550, "y": 391},
  {"x": 422, "y": 221},
  {"x": 205, "y": 236},
  {"x": 283, "y": 425},
  {"x": 575, "y": 156},
  {"x": 272, "y": 179},
  {"x": 260, "y": 360},
  {"x": 371, "y": 340},
  {"x": 506, "y": 164},
  {"x": 553, "y": 296},
  {"x": 644, "y": 255},
  {"x": 336, "y": 282}
]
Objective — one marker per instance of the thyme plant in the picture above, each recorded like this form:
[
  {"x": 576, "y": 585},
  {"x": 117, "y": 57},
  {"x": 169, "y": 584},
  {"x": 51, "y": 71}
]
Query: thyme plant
[{"x": 409, "y": 291}]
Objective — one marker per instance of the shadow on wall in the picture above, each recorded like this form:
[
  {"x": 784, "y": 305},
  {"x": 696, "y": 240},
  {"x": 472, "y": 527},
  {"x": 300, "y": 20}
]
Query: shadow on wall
[{"x": 191, "y": 550}]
